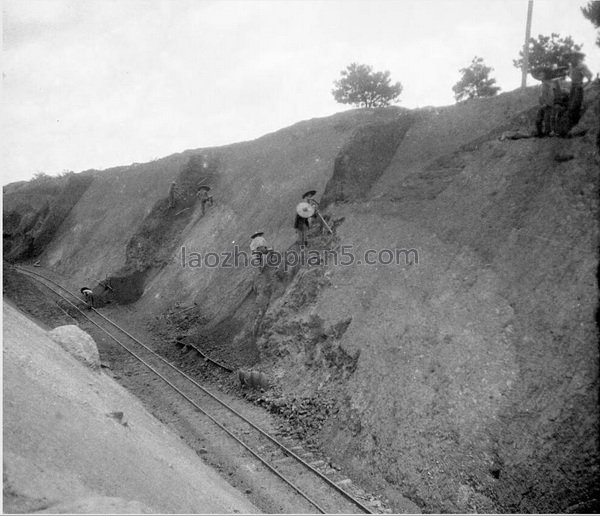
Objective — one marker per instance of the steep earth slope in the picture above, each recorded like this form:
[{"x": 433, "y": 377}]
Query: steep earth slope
[
  {"x": 473, "y": 378},
  {"x": 466, "y": 381}
]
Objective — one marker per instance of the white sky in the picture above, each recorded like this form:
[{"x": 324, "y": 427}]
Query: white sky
[{"x": 99, "y": 83}]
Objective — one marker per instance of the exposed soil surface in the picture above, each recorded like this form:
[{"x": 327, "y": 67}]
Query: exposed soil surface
[{"x": 464, "y": 375}]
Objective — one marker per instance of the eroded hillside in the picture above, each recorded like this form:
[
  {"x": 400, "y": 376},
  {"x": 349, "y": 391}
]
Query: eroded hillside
[{"x": 465, "y": 376}]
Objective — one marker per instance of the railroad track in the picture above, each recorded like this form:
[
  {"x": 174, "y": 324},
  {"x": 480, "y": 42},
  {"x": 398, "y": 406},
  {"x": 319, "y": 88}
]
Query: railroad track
[{"x": 288, "y": 462}]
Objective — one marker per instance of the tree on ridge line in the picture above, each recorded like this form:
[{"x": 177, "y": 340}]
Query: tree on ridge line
[
  {"x": 548, "y": 51},
  {"x": 359, "y": 85},
  {"x": 475, "y": 82}
]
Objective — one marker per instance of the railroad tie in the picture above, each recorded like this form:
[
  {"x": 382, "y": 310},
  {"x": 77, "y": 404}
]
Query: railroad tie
[
  {"x": 317, "y": 463},
  {"x": 345, "y": 482}
]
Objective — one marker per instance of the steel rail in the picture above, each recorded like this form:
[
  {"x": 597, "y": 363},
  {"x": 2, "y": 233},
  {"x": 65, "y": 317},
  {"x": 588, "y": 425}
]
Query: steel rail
[
  {"x": 187, "y": 398},
  {"x": 286, "y": 450}
]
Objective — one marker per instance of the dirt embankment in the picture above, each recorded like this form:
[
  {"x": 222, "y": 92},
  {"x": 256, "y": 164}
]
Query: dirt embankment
[
  {"x": 33, "y": 212},
  {"x": 75, "y": 441},
  {"x": 465, "y": 380},
  {"x": 121, "y": 223},
  {"x": 476, "y": 384}
]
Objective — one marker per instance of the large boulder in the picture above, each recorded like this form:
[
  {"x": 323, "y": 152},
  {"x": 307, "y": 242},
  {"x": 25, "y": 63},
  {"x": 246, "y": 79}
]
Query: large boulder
[{"x": 78, "y": 343}]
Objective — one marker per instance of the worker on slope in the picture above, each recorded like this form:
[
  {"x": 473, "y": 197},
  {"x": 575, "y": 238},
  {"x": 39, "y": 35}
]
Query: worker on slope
[
  {"x": 259, "y": 249},
  {"x": 558, "y": 97},
  {"x": 205, "y": 199},
  {"x": 560, "y": 119},
  {"x": 578, "y": 71},
  {"x": 304, "y": 211},
  {"x": 172, "y": 194},
  {"x": 88, "y": 296},
  {"x": 258, "y": 245},
  {"x": 543, "y": 121}
]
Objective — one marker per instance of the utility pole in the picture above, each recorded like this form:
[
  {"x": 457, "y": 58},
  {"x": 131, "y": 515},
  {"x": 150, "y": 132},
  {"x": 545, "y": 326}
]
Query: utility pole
[{"x": 526, "y": 46}]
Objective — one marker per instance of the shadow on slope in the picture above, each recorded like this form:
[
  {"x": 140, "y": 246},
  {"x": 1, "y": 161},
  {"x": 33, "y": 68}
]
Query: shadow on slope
[
  {"x": 151, "y": 246},
  {"x": 34, "y": 211},
  {"x": 363, "y": 159}
]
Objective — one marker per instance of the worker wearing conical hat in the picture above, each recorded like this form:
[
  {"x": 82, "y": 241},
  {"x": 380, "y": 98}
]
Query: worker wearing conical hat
[
  {"x": 578, "y": 71},
  {"x": 543, "y": 121},
  {"x": 88, "y": 295},
  {"x": 172, "y": 194},
  {"x": 258, "y": 244},
  {"x": 301, "y": 224},
  {"x": 205, "y": 199}
]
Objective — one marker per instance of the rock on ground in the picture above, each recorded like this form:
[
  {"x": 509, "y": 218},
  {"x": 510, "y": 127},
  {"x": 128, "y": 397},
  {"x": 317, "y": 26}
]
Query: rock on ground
[{"x": 78, "y": 343}]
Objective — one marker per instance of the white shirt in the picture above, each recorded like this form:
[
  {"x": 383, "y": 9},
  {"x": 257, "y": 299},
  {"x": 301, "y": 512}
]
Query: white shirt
[{"x": 257, "y": 242}]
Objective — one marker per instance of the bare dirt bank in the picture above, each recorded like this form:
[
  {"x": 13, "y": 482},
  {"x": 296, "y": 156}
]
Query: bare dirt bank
[
  {"x": 66, "y": 448},
  {"x": 466, "y": 382}
]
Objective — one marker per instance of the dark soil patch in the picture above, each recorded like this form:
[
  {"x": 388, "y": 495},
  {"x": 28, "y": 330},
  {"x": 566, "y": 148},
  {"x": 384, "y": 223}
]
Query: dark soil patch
[
  {"x": 364, "y": 158},
  {"x": 31, "y": 299},
  {"x": 217, "y": 341},
  {"x": 150, "y": 248},
  {"x": 120, "y": 289},
  {"x": 31, "y": 225}
]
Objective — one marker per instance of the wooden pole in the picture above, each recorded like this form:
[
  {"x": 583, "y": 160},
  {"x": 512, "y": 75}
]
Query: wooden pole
[
  {"x": 526, "y": 45},
  {"x": 323, "y": 221}
]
